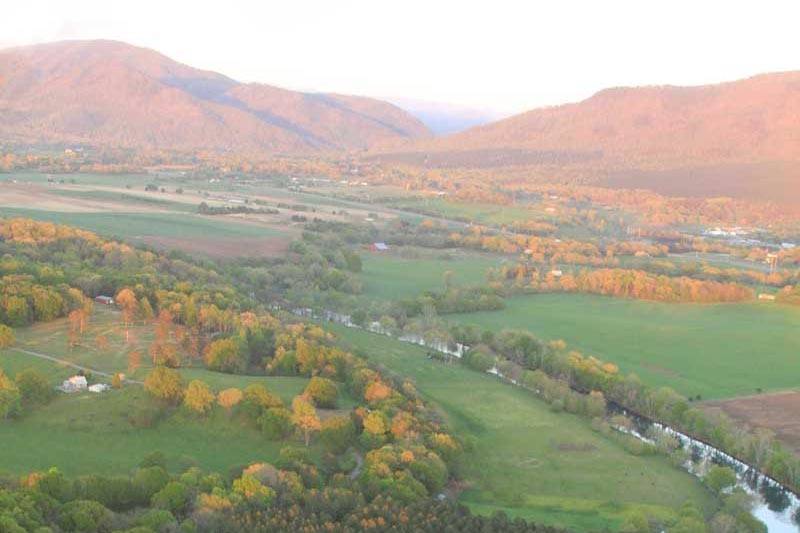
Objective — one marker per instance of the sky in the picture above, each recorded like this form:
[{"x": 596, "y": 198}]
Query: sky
[{"x": 504, "y": 56}]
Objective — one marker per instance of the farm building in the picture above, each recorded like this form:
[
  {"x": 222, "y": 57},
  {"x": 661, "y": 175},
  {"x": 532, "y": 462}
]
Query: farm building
[
  {"x": 98, "y": 387},
  {"x": 379, "y": 247},
  {"x": 105, "y": 300},
  {"x": 74, "y": 384},
  {"x": 767, "y": 297}
]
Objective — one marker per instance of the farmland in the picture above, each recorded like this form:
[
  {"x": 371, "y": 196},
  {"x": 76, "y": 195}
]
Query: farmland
[
  {"x": 164, "y": 220},
  {"x": 706, "y": 350},
  {"x": 478, "y": 212},
  {"x": 387, "y": 276},
  {"x": 527, "y": 460},
  {"x": 765, "y": 411}
]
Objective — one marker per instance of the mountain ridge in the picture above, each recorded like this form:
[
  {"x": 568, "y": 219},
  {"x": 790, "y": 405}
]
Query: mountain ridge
[
  {"x": 743, "y": 135},
  {"x": 112, "y": 93}
]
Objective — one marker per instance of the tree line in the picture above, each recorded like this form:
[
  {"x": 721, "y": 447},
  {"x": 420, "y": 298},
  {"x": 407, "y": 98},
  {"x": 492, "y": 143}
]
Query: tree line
[{"x": 624, "y": 283}]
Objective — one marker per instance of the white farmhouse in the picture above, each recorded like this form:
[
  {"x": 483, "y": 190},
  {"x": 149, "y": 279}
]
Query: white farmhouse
[{"x": 74, "y": 384}]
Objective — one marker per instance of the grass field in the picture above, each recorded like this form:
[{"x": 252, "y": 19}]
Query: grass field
[
  {"x": 716, "y": 351},
  {"x": 97, "y": 427},
  {"x": 524, "y": 459},
  {"x": 476, "y": 212},
  {"x": 97, "y": 424},
  {"x": 389, "y": 277}
]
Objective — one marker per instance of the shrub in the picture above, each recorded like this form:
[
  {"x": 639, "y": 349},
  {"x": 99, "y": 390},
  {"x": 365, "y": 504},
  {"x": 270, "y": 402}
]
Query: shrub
[
  {"x": 229, "y": 398},
  {"x": 256, "y": 399},
  {"x": 198, "y": 397},
  {"x": 174, "y": 497},
  {"x": 155, "y": 520},
  {"x": 720, "y": 478},
  {"x": 337, "y": 433},
  {"x": 150, "y": 480},
  {"x": 276, "y": 423},
  {"x": 9, "y": 397},
  {"x": 323, "y": 392},
  {"x": 225, "y": 355},
  {"x": 33, "y": 387},
  {"x": 85, "y": 515},
  {"x": 165, "y": 384},
  {"x": 479, "y": 360}
]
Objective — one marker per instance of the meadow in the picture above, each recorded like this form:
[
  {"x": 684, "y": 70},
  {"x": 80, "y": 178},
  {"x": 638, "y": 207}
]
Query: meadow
[
  {"x": 525, "y": 459},
  {"x": 698, "y": 349},
  {"x": 484, "y": 213},
  {"x": 98, "y": 425},
  {"x": 391, "y": 277}
]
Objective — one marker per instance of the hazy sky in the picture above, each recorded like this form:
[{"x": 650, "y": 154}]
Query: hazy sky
[{"x": 501, "y": 55}]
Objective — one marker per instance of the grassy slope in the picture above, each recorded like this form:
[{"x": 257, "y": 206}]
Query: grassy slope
[
  {"x": 518, "y": 463},
  {"x": 713, "y": 350},
  {"x": 387, "y": 276},
  {"x": 86, "y": 433}
]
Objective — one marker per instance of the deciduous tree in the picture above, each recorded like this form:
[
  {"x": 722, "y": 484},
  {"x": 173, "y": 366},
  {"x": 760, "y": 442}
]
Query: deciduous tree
[
  {"x": 198, "y": 397},
  {"x": 229, "y": 398},
  {"x": 6, "y": 336},
  {"x": 165, "y": 384},
  {"x": 304, "y": 417},
  {"x": 322, "y": 392}
]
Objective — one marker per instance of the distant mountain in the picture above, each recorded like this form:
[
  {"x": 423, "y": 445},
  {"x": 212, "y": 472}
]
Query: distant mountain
[
  {"x": 109, "y": 93},
  {"x": 740, "y": 138},
  {"x": 443, "y": 119}
]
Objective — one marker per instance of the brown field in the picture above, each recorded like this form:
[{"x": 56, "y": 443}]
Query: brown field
[
  {"x": 779, "y": 412},
  {"x": 223, "y": 248},
  {"x": 32, "y": 196}
]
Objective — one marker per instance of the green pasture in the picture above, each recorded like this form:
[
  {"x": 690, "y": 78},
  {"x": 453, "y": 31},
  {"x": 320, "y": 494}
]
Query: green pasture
[
  {"x": 389, "y": 276},
  {"x": 527, "y": 460},
  {"x": 714, "y": 350}
]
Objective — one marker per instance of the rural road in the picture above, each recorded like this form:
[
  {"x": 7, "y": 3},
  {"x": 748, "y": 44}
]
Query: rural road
[{"x": 73, "y": 365}]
